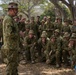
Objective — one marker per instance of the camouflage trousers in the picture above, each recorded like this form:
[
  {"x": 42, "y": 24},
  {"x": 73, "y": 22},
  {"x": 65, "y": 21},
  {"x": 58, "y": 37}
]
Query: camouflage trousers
[
  {"x": 54, "y": 57},
  {"x": 12, "y": 63},
  {"x": 30, "y": 54},
  {"x": 73, "y": 59},
  {"x": 11, "y": 56},
  {"x": 65, "y": 55}
]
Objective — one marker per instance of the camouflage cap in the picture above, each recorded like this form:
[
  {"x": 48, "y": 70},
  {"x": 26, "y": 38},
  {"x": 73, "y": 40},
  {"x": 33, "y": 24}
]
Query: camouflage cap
[
  {"x": 53, "y": 36},
  {"x": 31, "y": 32},
  {"x": 13, "y": 5},
  {"x": 43, "y": 35},
  {"x": 44, "y": 32},
  {"x": 57, "y": 30},
  {"x": 66, "y": 34},
  {"x": 42, "y": 21}
]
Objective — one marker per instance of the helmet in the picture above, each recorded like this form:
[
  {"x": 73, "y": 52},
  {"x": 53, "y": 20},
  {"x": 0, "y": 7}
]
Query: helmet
[
  {"x": 31, "y": 32},
  {"x": 43, "y": 35},
  {"x": 44, "y": 32}
]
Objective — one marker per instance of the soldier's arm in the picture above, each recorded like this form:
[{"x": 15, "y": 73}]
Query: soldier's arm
[{"x": 10, "y": 30}]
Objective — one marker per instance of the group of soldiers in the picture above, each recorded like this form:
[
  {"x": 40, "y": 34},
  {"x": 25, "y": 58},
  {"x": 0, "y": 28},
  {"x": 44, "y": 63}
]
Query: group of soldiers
[
  {"x": 50, "y": 42},
  {"x": 37, "y": 40}
]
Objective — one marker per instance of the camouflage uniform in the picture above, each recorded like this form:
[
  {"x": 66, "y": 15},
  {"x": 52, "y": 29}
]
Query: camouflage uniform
[
  {"x": 58, "y": 24},
  {"x": 34, "y": 27},
  {"x": 41, "y": 27},
  {"x": 59, "y": 44},
  {"x": 27, "y": 28},
  {"x": 65, "y": 28},
  {"x": 65, "y": 52},
  {"x": 53, "y": 50},
  {"x": 11, "y": 42},
  {"x": 42, "y": 48},
  {"x": 72, "y": 50},
  {"x": 49, "y": 27},
  {"x": 29, "y": 45}
]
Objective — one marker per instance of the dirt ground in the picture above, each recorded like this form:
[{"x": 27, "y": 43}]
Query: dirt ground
[{"x": 38, "y": 69}]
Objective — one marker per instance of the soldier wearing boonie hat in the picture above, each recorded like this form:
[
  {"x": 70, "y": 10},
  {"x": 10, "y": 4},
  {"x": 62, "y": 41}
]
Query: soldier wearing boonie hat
[{"x": 11, "y": 39}]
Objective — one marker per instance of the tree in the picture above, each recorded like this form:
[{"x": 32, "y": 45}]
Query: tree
[
  {"x": 25, "y": 6},
  {"x": 69, "y": 3},
  {"x": 48, "y": 8}
]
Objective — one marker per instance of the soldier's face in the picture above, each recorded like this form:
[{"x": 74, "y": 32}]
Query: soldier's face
[
  {"x": 59, "y": 21},
  {"x": 71, "y": 42},
  {"x": 31, "y": 35},
  {"x": 43, "y": 39},
  {"x": 56, "y": 33},
  {"x": 74, "y": 22},
  {"x": 53, "y": 39},
  {"x": 27, "y": 29},
  {"x": 66, "y": 38},
  {"x": 15, "y": 11}
]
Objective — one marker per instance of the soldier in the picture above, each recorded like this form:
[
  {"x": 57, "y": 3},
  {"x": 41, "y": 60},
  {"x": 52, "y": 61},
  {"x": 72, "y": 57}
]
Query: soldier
[
  {"x": 33, "y": 26},
  {"x": 73, "y": 29},
  {"x": 41, "y": 27},
  {"x": 58, "y": 24},
  {"x": 53, "y": 51},
  {"x": 72, "y": 48},
  {"x": 49, "y": 27},
  {"x": 38, "y": 21},
  {"x": 1, "y": 33},
  {"x": 59, "y": 41},
  {"x": 42, "y": 44},
  {"x": 29, "y": 45},
  {"x": 65, "y": 52},
  {"x": 45, "y": 18},
  {"x": 27, "y": 28},
  {"x": 11, "y": 39},
  {"x": 22, "y": 24},
  {"x": 65, "y": 27}
]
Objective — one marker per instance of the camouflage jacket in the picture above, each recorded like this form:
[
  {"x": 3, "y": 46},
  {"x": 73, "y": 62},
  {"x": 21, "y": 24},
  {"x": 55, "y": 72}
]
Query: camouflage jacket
[{"x": 10, "y": 33}]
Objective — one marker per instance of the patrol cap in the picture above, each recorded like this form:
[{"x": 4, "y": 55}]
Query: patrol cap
[
  {"x": 43, "y": 35},
  {"x": 66, "y": 34},
  {"x": 57, "y": 30},
  {"x": 31, "y": 32},
  {"x": 12, "y": 5}
]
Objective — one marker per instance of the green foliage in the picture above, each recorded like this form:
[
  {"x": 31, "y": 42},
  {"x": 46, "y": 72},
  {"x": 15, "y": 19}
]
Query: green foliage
[
  {"x": 66, "y": 10},
  {"x": 48, "y": 10},
  {"x": 49, "y": 13}
]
